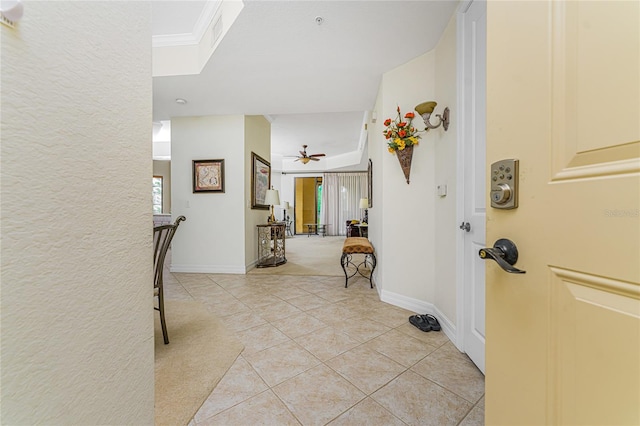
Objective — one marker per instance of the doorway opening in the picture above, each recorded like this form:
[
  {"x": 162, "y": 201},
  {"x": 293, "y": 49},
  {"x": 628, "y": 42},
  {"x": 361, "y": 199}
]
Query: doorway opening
[{"x": 308, "y": 202}]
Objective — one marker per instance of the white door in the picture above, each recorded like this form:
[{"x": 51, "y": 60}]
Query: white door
[
  {"x": 563, "y": 97},
  {"x": 473, "y": 72}
]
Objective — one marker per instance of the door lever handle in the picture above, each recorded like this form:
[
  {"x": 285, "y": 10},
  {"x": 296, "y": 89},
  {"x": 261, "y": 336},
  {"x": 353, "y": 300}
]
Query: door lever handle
[{"x": 505, "y": 253}]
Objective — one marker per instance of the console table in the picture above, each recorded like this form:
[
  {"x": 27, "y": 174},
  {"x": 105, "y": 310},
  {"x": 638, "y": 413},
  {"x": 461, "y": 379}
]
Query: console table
[{"x": 271, "y": 250}]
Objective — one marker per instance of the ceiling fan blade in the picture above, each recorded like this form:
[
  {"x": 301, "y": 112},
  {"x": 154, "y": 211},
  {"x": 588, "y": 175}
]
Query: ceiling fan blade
[
  {"x": 313, "y": 158},
  {"x": 316, "y": 155}
]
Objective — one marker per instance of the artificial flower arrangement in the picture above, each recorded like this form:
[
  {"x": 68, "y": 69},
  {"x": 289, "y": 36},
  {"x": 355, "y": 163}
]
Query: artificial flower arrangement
[{"x": 400, "y": 133}]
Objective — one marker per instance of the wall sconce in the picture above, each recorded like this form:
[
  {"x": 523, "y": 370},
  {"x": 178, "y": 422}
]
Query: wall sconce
[
  {"x": 426, "y": 108},
  {"x": 364, "y": 204},
  {"x": 272, "y": 198}
]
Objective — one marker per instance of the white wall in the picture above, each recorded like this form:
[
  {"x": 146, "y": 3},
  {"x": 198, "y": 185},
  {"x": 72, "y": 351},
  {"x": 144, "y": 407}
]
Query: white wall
[
  {"x": 77, "y": 312},
  {"x": 446, "y": 230},
  {"x": 219, "y": 235},
  {"x": 413, "y": 229},
  {"x": 212, "y": 239},
  {"x": 406, "y": 211}
]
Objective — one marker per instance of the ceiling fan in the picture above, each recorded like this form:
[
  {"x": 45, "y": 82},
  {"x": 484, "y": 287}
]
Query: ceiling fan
[{"x": 304, "y": 158}]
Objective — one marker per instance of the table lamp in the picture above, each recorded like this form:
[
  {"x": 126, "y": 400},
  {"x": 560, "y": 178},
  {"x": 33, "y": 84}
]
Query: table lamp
[
  {"x": 272, "y": 198},
  {"x": 285, "y": 207},
  {"x": 364, "y": 204}
]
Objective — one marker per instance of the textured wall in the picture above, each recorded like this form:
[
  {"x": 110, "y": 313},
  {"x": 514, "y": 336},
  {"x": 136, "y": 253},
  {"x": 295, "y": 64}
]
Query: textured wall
[{"x": 76, "y": 305}]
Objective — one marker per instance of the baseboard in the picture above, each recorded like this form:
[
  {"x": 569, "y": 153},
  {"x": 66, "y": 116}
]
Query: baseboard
[
  {"x": 421, "y": 307},
  {"x": 208, "y": 269}
]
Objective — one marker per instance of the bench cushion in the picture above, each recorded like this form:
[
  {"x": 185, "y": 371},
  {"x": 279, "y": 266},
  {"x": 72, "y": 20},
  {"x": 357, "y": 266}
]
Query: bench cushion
[{"x": 357, "y": 245}]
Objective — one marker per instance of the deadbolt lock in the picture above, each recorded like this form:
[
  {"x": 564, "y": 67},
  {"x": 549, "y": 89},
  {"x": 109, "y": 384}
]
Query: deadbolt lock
[{"x": 504, "y": 184}]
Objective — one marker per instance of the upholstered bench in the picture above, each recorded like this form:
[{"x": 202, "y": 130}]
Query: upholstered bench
[{"x": 357, "y": 245}]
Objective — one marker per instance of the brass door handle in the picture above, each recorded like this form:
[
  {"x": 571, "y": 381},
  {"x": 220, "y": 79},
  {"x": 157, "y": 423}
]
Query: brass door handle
[{"x": 505, "y": 253}]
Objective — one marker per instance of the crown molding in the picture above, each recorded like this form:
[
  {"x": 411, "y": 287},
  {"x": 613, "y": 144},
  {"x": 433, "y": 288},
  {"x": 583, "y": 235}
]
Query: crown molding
[{"x": 209, "y": 12}]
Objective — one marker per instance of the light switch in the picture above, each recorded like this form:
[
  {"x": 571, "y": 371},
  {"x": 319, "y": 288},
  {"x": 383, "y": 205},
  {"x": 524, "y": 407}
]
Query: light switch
[{"x": 442, "y": 190}]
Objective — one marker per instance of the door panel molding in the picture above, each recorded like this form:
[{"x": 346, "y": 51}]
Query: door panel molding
[
  {"x": 582, "y": 390},
  {"x": 595, "y": 128}
]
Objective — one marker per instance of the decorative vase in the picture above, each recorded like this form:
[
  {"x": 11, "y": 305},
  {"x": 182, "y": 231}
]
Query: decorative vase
[{"x": 404, "y": 157}]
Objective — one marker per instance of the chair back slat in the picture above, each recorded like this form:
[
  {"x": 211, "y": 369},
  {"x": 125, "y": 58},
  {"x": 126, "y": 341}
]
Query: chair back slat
[{"x": 162, "y": 236}]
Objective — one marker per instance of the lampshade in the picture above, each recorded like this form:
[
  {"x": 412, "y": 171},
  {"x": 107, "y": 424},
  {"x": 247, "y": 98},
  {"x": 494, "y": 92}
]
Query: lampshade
[
  {"x": 364, "y": 203},
  {"x": 425, "y": 107},
  {"x": 285, "y": 205},
  {"x": 272, "y": 198}
]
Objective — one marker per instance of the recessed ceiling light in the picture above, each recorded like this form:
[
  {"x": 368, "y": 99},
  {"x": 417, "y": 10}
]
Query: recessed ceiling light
[
  {"x": 319, "y": 20},
  {"x": 181, "y": 101}
]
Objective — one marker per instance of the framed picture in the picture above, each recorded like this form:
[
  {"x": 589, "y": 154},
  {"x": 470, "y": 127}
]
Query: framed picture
[
  {"x": 208, "y": 176},
  {"x": 370, "y": 183},
  {"x": 260, "y": 181}
]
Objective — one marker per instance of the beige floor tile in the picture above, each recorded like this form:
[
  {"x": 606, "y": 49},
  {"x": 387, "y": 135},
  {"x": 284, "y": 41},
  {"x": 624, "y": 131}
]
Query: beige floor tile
[
  {"x": 332, "y": 313},
  {"x": 318, "y": 395},
  {"x": 390, "y": 316},
  {"x": 276, "y": 311},
  {"x": 361, "y": 329},
  {"x": 240, "y": 383},
  {"x": 327, "y": 343},
  {"x": 367, "y": 412},
  {"x": 418, "y": 401},
  {"x": 474, "y": 418},
  {"x": 298, "y": 325},
  {"x": 310, "y": 301},
  {"x": 281, "y": 362},
  {"x": 370, "y": 344},
  {"x": 263, "y": 409},
  {"x": 285, "y": 293},
  {"x": 401, "y": 348},
  {"x": 453, "y": 370},
  {"x": 243, "y": 321},
  {"x": 333, "y": 295},
  {"x": 365, "y": 368},
  {"x": 231, "y": 308},
  {"x": 260, "y": 338},
  {"x": 434, "y": 338}
]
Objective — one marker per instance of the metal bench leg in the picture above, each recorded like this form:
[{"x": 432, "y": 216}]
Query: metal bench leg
[
  {"x": 373, "y": 257},
  {"x": 343, "y": 262}
]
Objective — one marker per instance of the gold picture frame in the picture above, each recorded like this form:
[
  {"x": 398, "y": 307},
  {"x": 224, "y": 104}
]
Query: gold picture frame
[{"x": 260, "y": 181}]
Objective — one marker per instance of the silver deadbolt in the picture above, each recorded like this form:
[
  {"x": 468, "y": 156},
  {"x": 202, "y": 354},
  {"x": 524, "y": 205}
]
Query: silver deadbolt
[
  {"x": 505, "y": 253},
  {"x": 504, "y": 184}
]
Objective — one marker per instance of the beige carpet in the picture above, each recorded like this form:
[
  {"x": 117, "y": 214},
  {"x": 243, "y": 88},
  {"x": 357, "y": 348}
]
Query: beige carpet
[
  {"x": 314, "y": 255},
  {"x": 200, "y": 352}
]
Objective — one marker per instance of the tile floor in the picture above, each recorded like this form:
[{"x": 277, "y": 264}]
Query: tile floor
[{"x": 317, "y": 353}]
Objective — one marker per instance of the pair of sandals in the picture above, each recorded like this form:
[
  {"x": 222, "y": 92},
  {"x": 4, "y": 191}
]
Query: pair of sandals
[{"x": 425, "y": 322}]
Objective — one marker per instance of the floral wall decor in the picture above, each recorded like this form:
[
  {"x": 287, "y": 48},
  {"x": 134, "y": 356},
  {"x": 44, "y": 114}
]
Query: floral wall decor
[{"x": 401, "y": 138}]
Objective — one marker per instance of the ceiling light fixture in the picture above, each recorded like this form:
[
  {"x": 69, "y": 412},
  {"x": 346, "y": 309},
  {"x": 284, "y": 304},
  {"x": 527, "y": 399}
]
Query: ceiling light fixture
[
  {"x": 319, "y": 20},
  {"x": 181, "y": 101}
]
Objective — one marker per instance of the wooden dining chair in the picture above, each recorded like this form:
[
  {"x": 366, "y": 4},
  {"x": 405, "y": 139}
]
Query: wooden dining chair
[{"x": 162, "y": 236}]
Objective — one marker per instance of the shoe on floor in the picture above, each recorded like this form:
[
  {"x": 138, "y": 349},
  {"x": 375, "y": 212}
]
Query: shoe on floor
[
  {"x": 420, "y": 322},
  {"x": 433, "y": 322}
]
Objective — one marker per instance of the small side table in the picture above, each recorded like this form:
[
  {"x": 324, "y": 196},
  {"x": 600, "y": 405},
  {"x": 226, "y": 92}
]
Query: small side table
[{"x": 271, "y": 248}]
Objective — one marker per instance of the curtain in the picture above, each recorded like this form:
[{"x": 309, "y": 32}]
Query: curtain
[{"x": 341, "y": 193}]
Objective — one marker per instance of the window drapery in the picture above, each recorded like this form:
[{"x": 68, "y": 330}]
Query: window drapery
[{"x": 341, "y": 195}]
